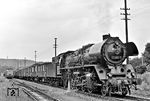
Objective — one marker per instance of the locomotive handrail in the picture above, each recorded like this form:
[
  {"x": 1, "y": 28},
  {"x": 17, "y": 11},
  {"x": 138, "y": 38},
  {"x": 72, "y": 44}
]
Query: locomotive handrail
[{"x": 77, "y": 66}]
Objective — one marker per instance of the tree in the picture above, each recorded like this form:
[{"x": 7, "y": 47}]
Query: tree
[
  {"x": 140, "y": 69},
  {"x": 135, "y": 62},
  {"x": 146, "y": 54}
]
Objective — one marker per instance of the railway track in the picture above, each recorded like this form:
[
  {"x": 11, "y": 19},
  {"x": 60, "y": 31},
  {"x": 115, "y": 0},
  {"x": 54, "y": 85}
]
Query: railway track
[
  {"x": 29, "y": 94},
  {"x": 114, "y": 97},
  {"x": 34, "y": 92}
]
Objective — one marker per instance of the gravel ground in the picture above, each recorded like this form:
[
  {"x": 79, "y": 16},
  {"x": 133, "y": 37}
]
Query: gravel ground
[
  {"x": 4, "y": 84},
  {"x": 143, "y": 93},
  {"x": 61, "y": 94}
]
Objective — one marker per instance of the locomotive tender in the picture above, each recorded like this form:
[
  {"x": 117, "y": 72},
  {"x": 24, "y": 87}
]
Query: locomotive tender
[{"x": 94, "y": 67}]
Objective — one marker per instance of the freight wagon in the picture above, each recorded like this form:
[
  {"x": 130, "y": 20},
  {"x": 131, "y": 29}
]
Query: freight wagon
[{"x": 40, "y": 72}]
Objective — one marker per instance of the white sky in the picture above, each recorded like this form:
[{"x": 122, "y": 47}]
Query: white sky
[{"x": 29, "y": 25}]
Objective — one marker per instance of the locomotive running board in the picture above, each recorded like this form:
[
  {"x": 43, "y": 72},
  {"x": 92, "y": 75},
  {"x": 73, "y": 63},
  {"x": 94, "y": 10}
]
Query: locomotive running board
[{"x": 72, "y": 67}]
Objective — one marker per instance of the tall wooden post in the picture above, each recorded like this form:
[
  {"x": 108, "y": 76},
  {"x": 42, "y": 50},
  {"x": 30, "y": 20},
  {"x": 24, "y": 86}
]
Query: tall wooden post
[
  {"x": 35, "y": 56},
  {"x": 55, "y": 46},
  {"x": 126, "y": 22}
]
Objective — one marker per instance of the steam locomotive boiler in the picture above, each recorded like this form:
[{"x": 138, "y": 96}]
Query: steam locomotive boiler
[{"x": 99, "y": 67}]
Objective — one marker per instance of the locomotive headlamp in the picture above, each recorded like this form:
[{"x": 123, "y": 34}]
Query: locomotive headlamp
[{"x": 109, "y": 75}]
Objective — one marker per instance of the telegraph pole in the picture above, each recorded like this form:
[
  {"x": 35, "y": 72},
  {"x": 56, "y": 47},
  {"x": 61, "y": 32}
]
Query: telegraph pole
[
  {"x": 35, "y": 56},
  {"x": 126, "y": 21},
  {"x": 55, "y": 46},
  {"x": 24, "y": 61}
]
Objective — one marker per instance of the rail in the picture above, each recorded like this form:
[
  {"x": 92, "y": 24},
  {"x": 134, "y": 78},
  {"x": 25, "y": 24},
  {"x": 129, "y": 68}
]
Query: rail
[{"x": 36, "y": 90}]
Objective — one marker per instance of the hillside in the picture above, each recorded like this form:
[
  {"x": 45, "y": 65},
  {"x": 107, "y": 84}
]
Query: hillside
[{"x": 6, "y": 64}]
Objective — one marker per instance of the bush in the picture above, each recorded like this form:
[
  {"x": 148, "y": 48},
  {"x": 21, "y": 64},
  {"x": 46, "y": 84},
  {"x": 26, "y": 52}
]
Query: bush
[
  {"x": 140, "y": 69},
  {"x": 145, "y": 81}
]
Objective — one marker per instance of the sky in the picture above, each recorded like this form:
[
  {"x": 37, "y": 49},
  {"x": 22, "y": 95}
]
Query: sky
[{"x": 29, "y": 25}]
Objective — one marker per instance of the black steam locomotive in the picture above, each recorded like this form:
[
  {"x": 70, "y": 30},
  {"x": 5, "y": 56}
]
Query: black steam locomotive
[{"x": 94, "y": 67}]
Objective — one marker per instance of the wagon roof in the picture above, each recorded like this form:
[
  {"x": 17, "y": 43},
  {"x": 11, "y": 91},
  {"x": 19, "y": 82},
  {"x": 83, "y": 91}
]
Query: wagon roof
[{"x": 37, "y": 64}]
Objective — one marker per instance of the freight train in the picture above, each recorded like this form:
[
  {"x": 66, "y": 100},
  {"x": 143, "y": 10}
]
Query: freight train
[{"x": 92, "y": 68}]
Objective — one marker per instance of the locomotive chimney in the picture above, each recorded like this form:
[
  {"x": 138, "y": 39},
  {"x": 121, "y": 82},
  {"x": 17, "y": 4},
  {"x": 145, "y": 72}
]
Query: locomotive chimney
[{"x": 106, "y": 36}]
